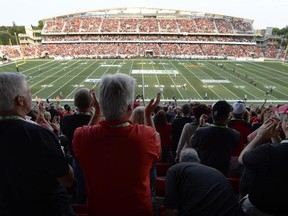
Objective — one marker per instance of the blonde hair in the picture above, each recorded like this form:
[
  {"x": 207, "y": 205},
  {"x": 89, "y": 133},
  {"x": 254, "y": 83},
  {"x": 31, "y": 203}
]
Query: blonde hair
[{"x": 137, "y": 115}]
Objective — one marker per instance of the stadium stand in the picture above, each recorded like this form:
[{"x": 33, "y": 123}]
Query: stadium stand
[{"x": 132, "y": 32}]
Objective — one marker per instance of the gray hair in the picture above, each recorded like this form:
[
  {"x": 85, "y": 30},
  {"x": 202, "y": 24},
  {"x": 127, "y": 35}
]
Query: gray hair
[
  {"x": 116, "y": 93},
  {"x": 82, "y": 99},
  {"x": 189, "y": 155},
  {"x": 11, "y": 86}
]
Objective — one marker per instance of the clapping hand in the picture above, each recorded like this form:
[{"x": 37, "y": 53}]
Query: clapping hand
[
  {"x": 153, "y": 104},
  {"x": 269, "y": 128}
]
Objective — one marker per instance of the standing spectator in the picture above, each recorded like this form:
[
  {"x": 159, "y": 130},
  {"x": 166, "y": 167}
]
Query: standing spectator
[
  {"x": 53, "y": 111},
  {"x": 83, "y": 102},
  {"x": 32, "y": 165},
  {"x": 244, "y": 128},
  {"x": 201, "y": 113},
  {"x": 170, "y": 114},
  {"x": 196, "y": 189},
  {"x": 216, "y": 143},
  {"x": 68, "y": 111},
  {"x": 138, "y": 116},
  {"x": 116, "y": 155},
  {"x": 267, "y": 163},
  {"x": 177, "y": 127},
  {"x": 164, "y": 129}
]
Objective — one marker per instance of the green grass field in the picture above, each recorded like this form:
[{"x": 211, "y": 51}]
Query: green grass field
[{"x": 194, "y": 79}]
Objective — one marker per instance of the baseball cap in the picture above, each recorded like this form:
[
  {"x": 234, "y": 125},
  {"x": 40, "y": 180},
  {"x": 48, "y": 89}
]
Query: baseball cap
[
  {"x": 238, "y": 107},
  {"x": 221, "y": 109}
]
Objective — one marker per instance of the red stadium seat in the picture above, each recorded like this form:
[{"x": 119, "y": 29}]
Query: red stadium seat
[
  {"x": 235, "y": 182},
  {"x": 160, "y": 186},
  {"x": 162, "y": 168}
]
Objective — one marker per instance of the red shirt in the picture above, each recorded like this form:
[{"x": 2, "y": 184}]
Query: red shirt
[
  {"x": 165, "y": 135},
  {"x": 244, "y": 128},
  {"x": 116, "y": 160}
]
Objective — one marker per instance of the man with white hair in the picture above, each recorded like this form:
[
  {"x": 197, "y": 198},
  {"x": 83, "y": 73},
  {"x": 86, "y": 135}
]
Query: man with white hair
[
  {"x": 196, "y": 189},
  {"x": 116, "y": 155},
  {"x": 32, "y": 165}
]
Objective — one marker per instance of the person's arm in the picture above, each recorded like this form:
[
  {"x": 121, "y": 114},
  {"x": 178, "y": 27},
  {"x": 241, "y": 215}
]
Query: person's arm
[
  {"x": 202, "y": 120},
  {"x": 267, "y": 130},
  {"x": 149, "y": 109},
  {"x": 55, "y": 124},
  {"x": 143, "y": 101},
  {"x": 184, "y": 138},
  {"x": 96, "y": 109},
  {"x": 264, "y": 102},
  {"x": 68, "y": 179}
]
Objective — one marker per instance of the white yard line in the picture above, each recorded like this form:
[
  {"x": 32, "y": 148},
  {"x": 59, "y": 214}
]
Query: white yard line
[
  {"x": 250, "y": 73},
  {"x": 237, "y": 97},
  {"x": 258, "y": 65},
  {"x": 261, "y": 77},
  {"x": 246, "y": 92},
  {"x": 52, "y": 61},
  {"x": 74, "y": 78},
  {"x": 186, "y": 79},
  {"x": 163, "y": 65},
  {"x": 50, "y": 75},
  {"x": 89, "y": 76}
]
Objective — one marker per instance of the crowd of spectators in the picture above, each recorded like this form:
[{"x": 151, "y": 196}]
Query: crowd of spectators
[
  {"x": 218, "y": 139},
  {"x": 241, "y": 26},
  {"x": 178, "y": 42},
  {"x": 147, "y": 38},
  {"x": 129, "y": 25},
  {"x": 115, "y": 49},
  {"x": 147, "y": 25},
  {"x": 10, "y": 51},
  {"x": 207, "y": 146},
  {"x": 205, "y": 25},
  {"x": 224, "y": 26},
  {"x": 168, "y": 25},
  {"x": 90, "y": 24}
]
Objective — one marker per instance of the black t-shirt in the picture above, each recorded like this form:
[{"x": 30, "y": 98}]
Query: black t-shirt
[
  {"x": 70, "y": 123},
  {"x": 196, "y": 189},
  {"x": 215, "y": 146},
  {"x": 30, "y": 162},
  {"x": 269, "y": 183}
]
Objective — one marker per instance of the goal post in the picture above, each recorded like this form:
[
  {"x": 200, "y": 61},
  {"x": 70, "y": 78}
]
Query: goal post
[{"x": 19, "y": 61}]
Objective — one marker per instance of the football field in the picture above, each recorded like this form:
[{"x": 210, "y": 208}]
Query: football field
[{"x": 200, "y": 80}]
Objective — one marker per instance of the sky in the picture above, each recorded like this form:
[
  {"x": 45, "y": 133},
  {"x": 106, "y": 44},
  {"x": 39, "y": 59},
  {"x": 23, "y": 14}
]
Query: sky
[{"x": 265, "y": 13}]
